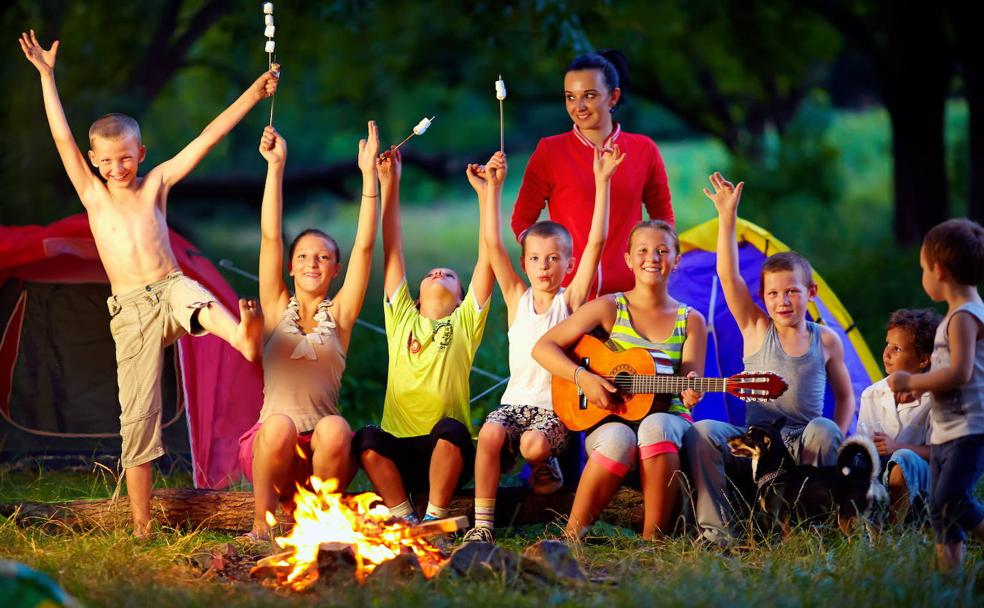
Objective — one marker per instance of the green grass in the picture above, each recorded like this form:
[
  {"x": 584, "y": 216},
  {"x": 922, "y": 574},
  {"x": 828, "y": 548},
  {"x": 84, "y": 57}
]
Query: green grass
[{"x": 808, "y": 569}]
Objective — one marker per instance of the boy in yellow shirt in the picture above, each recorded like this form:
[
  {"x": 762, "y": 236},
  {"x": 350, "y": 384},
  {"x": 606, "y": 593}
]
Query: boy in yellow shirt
[{"x": 424, "y": 440}]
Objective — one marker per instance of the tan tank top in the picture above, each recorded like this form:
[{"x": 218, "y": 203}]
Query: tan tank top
[{"x": 302, "y": 372}]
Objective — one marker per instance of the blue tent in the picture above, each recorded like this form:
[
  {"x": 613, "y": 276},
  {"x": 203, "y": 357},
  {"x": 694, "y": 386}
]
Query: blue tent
[{"x": 695, "y": 282}]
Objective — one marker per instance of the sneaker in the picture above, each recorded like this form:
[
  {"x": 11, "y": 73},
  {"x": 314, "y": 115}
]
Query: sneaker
[
  {"x": 479, "y": 534},
  {"x": 546, "y": 476}
]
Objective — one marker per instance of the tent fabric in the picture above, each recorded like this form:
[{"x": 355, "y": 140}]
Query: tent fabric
[
  {"x": 222, "y": 391},
  {"x": 695, "y": 282}
]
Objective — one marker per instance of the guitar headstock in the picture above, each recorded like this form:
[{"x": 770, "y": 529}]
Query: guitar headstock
[{"x": 756, "y": 386}]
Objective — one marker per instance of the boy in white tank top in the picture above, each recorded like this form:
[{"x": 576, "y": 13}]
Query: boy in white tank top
[{"x": 525, "y": 423}]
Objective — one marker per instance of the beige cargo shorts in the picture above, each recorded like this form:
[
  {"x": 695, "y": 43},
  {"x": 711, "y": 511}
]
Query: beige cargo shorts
[{"x": 143, "y": 322}]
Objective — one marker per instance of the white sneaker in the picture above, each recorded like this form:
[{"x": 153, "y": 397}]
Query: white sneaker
[
  {"x": 479, "y": 534},
  {"x": 545, "y": 477}
]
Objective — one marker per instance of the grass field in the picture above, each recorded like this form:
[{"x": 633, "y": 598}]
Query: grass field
[{"x": 811, "y": 568}]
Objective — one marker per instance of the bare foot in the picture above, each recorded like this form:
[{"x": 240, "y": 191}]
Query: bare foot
[
  {"x": 143, "y": 530},
  {"x": 249, "y": 333}
]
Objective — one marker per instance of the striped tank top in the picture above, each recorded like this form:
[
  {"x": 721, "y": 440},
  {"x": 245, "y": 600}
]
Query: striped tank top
[{"x": 667, "y": 354}]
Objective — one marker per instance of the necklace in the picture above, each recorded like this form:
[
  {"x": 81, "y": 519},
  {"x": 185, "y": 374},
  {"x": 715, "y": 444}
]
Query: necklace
[{"x": 291, "y": 324}]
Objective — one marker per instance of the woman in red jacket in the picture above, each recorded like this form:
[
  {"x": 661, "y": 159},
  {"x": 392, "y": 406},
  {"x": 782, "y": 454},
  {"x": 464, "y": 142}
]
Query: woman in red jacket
[{"x": 559, "y": 173}]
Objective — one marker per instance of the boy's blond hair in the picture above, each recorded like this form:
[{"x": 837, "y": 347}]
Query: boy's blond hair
[
  {"x": 114, "y": 126},
  {"x": 548, "y": 229},
  {"x": 958, "y": 246},
  {"x": 787, "y": 261}
]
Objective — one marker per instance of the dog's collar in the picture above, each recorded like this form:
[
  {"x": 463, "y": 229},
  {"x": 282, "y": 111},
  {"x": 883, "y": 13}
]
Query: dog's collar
[{"x": 768, "y": 478}]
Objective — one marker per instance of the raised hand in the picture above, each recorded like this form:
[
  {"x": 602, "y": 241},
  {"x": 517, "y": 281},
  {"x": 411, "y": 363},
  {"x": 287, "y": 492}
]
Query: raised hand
[
  {"x": 606, "y": 161},
  {"x": 369, "y": 148},
  {"x": 389, "y": 165},
  {"x": 477, "y": 177},
  {"x": 273, "y": 148},
  {"x": 43, "y": 60},
  {"x": 266, "y": 85},
  {"x": 495, "y": 170},
  {"x": 726, "y": 195}
]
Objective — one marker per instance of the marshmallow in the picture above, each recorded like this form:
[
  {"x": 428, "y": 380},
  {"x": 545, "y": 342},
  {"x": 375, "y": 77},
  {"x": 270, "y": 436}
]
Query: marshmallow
[
  {"x": 267, "y": 19},
  {"x": 422, "y": 126},
  {"x": 500, "y": 89},
  {"x": 269, "y": 31},
  {"x": 268, "y": 8},
  {"x": 270, "y": 45}
]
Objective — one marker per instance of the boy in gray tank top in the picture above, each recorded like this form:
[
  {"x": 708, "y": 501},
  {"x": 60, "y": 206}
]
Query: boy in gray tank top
[
  {"x": 952, "y": 261},
  {"x": 780, "y": 340}
]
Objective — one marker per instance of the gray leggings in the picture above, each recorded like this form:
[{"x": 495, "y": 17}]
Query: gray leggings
[{"x": 616, "y": 445}]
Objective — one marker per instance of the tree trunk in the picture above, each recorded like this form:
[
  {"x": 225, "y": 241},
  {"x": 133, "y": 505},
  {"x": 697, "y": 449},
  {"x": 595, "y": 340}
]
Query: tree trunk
[
  {"x": 970, "y": 46},
  {"x": 915, "y": 80},
  {"x": 233, "y": 511}
]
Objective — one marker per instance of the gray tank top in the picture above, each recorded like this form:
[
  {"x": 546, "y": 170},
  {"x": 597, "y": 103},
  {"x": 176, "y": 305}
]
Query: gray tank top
[
  {"x": 959, "y": 412},
  {"x": 806, "y": 376}
]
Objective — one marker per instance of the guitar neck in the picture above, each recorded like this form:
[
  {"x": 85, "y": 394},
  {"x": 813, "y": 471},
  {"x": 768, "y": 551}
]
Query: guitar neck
[{"x": 658, "y": 385}]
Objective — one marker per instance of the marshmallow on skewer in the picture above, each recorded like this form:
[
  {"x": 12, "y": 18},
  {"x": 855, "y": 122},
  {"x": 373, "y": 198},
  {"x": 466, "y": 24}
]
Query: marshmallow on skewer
[
  {"x": 269, "y": 31},
  {"x": 420, "y": 129},
  {"x": 268, "y": 8},
  {"x": 422, "y": 126},
  {"x": 500, "y": 88},
  {"x": 267, "y": 19},
  {"x": 270, "y": 46}
]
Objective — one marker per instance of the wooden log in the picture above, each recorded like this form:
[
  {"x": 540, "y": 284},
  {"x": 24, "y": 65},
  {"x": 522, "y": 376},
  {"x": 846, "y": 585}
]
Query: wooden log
[{"x": 233, "y": 511}]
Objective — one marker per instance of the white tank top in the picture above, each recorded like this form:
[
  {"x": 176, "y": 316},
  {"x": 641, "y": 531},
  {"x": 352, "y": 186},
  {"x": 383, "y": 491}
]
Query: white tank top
[{"x": 529, "y": 383}]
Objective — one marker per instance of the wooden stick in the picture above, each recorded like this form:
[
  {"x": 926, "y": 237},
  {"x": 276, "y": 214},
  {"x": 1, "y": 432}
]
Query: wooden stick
[{"x": 439, "y": 526}]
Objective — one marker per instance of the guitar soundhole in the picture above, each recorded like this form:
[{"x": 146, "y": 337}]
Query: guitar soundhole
[{"x": 622, "y": 379}]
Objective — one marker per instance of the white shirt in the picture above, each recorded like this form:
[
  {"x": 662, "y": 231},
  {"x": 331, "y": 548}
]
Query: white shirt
[
  {"x": 905, "y": 423},
  {"x": 529, "y": 383}
]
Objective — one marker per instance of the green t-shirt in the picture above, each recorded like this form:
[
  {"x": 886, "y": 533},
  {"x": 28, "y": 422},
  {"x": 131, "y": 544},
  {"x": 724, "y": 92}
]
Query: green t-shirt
[{"x": 429, "y": 364}]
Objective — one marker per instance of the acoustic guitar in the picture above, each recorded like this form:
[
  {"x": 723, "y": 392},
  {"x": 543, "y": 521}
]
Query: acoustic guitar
[{"x": 634, "y": 374}]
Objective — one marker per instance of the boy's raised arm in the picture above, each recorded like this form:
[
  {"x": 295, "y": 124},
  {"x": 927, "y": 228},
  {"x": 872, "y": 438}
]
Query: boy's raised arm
[
  {"x": 483, "y": 279},
  {"x": 68, "y": 150},
  {"x": 389, "y": 167},
  {"x": 273, "y": 290},
  {"x": 353, "y": 292},
  {"x": 726, "y": 197},
  {"x": 174, "y": 170},
  {"x": 490, "y": 201},
  {"x": 605, "y": 164}
]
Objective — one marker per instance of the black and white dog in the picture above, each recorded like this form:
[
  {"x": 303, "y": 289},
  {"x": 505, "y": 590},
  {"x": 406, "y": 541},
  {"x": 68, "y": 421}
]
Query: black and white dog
[{"x": 792, "y": 493}]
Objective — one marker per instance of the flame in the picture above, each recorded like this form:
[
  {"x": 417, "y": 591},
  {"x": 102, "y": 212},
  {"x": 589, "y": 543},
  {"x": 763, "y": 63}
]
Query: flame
[{"x": 361, "y": 521}]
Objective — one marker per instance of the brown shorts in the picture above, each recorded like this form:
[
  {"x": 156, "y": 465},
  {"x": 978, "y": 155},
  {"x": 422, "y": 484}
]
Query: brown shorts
[{"x": 143, "y": 322}]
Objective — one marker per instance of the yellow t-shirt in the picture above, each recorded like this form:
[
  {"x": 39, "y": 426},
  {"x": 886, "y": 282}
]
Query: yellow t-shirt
[{"x": 429, "y": 364}]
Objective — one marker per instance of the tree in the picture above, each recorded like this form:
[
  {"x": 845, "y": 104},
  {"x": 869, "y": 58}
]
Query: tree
[{"x": 907, "y": 46}]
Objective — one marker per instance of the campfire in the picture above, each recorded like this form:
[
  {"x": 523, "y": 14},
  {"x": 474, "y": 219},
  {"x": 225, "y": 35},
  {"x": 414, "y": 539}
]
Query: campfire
[{"x": 327, "y": 520}]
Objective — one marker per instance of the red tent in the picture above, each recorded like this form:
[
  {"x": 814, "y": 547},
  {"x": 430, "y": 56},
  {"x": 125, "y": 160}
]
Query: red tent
[{"x": 222, "y": 391}]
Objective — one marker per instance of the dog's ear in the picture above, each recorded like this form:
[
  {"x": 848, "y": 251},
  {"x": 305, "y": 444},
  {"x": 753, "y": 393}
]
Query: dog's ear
[
  {"x": 778, "y": 423},
  {"x": 767, "y": 441}
]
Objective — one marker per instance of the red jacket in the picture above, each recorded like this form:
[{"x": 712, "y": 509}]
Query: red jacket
[{"x": 560, "y": 175}]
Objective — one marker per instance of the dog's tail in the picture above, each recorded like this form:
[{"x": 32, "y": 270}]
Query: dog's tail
[{"x": 857, "y": 459}]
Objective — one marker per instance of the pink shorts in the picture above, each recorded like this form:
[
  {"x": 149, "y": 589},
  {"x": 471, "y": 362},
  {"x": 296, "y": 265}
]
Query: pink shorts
[{"x": 301, "y": 471}]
